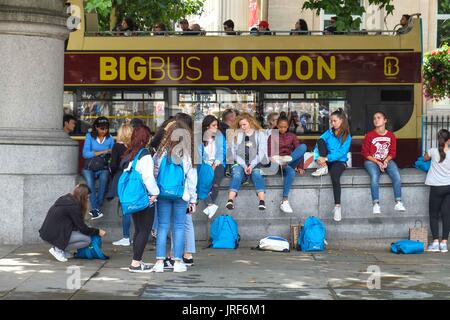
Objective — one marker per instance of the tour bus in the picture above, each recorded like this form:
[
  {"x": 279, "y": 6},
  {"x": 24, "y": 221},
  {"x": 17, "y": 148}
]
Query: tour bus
[{"x": 308, "y": 76}]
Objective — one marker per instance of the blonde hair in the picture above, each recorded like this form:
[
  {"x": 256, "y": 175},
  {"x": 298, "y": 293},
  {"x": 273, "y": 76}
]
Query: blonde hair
[
  {"x": 254, "y": 124},
  {"x": 124, "y": 134}
]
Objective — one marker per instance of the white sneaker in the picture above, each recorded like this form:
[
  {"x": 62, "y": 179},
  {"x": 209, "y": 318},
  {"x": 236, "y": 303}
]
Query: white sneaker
[
  {"x": 212, "y": 210},
  {"x": 337, "y": 214},
  {"x": 286, "y": 207},
  {"x": 122, "y": 242},
  {"x": 179, "y": 267},
  {"x": 376, "y": 208},
  {"x": 158, "y": 267},
  {"x": 320, "y": 172},
  {"x": 399, "y": 206},
  {"x": 58, "y": 254}
]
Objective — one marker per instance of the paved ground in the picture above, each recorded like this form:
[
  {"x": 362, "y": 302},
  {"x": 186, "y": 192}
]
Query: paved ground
[{"x": 29, "y": 272}]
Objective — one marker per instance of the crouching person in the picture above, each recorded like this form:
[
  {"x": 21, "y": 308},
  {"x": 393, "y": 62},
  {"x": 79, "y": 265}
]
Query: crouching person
[{"x": 64, "y": 226}]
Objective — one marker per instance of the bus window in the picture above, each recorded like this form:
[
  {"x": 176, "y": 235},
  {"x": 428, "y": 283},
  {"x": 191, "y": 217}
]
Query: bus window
[
  {"x": 308, "y": 111},
  {"x": 120, "y": 107}
]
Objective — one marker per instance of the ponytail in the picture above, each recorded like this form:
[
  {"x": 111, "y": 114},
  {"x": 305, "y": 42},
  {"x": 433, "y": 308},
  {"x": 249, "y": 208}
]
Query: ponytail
[
  {"x": 443, "y": 137},
  {"x": 344, "y": 130}
]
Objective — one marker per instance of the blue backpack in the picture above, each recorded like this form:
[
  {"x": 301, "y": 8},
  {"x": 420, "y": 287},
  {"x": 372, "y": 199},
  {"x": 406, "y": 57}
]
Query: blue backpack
[
  {"x": 408, "y": 246},
  {"x": 131, "y": 190},
  {"x": 170, "y": 180},
  {"x": 423, "y": 165},
  {"x": 93, "y": 251},
  {"x": 205, "y": 174},
  {"x": 224, "y": 233},
  {"x": 312, "y": 235}
]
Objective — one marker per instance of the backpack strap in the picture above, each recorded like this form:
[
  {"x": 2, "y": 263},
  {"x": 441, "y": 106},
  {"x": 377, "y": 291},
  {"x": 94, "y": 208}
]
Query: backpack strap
[{"x": 136, "y": 158}]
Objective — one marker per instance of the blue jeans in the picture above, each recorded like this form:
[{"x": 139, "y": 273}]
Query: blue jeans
[
  {"x": 189, "y": 233},
  {"x": 237, "y": 176},
  {"x": 375, "y": 173},
  {"x": 96, "y": 199},
  {"x": 165, "y": 210},
  {"x": 289, "y": 170}
]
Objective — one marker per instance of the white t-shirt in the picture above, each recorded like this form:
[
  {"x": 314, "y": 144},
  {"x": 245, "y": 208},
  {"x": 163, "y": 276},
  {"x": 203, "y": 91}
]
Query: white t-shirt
[
  {"x": 439, "y": 173},
  {"x": 210, "y": 150}
]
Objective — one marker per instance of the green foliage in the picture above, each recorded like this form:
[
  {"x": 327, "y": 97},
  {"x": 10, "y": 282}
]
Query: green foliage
[
  {"x": 145, "y": 13},
  {"x": 436, "y": 73},
  {"x": 344, "y": 9}
]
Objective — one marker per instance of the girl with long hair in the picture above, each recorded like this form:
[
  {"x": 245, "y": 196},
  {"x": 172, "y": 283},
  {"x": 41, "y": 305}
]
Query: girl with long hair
[
  {"x": 379, "y": 149},
  {"x": 211, "y": 153},
  {"x": 96, "y": 152},
  {"x": 142, "y": 220},
  {"x": 331, "y": 155},
  {"x": 64, "y": 226},
  {"x": 438, "y": 178},
  {"x": 249, "y": 148},
  {"x": 123, "y": 142},
  {"x": 175, "y": 147}
]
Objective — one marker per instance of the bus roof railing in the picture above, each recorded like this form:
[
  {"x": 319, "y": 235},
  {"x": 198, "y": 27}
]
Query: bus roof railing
[{"x": 239, "y": 33}]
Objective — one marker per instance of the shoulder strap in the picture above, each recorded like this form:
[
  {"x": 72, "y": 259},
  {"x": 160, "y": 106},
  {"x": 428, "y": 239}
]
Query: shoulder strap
[{"x": 136, "y": 158}]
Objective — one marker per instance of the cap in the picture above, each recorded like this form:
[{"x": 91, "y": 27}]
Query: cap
[
  {"x": 263, "y": 23},
  {"x": 101, "y": 121}
]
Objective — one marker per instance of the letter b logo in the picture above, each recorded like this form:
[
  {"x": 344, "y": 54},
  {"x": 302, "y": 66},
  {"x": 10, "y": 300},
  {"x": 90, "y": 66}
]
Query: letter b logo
[{"x": 391, "y": 66}]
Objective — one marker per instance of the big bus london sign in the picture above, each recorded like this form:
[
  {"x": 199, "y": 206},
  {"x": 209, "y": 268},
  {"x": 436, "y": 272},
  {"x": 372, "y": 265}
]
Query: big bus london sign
[{"x": 240, "y": 68}]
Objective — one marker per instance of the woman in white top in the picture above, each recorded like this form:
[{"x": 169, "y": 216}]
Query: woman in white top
[
  {"x": 175, "y": 147},
  {"x": 438, "y": 178},
  {"x": 142, "y": 220}
]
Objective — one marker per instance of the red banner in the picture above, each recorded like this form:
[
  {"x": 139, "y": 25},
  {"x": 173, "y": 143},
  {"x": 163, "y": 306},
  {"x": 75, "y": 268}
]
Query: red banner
[
  {"x": 231, "y": 68},
  {"x": 252, "y": 13}
]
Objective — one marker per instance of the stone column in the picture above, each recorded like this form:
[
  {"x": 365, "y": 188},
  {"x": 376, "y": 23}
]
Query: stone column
[{"x": 38, "y": 161}]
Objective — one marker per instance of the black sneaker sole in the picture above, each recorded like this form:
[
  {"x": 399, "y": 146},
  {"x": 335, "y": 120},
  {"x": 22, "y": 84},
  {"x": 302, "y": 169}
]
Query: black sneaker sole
[
  {"x": 230, "y": 206},
  {"x": 262, "y": 208}
]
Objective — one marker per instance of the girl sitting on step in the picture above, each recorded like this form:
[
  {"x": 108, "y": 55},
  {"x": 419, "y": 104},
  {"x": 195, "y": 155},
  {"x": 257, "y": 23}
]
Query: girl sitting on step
[
  {"x": 331, "y": 155},
  {"x": 249, "y": 151},
  {"x": 290, "y": 149}
]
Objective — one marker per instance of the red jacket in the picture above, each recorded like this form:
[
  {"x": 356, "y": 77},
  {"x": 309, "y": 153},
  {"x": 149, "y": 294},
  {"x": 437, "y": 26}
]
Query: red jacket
[
  {"x": 378, "y": 146},
  {"x": 287, "y": 143}
]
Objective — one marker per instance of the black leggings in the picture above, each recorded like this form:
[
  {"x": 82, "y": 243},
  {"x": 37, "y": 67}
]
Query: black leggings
[
  {"x": 335, "y": 169},
  {"x": 439, "y": 203},
  {"x": 218, "y": 176},
  {"x": 143, "y": 222}
]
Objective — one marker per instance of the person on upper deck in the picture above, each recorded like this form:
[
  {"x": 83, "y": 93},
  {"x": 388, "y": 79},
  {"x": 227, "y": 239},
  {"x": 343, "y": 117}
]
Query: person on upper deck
[
  {"x": 228, "y": 26},
  {"x": 331, "y": 29},
  {"x": 301, "y": 28},
  {"x": 159, "y": 29},
  {"x": 404, "y": 22},
  {"x": 263, "y": 28}
]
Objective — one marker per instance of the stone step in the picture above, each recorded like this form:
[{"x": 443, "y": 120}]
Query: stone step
[{"x": 313, "y": 196}]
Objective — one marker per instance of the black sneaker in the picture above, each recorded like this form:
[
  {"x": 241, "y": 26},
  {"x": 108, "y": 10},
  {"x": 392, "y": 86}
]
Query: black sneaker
[
  {"x": 142, "y": 268},
  {"x": 230, "y": 205},
  {"x": 262, "y": 205},
  {"x": 96, "y": 214},
  {"x": 168, "y": 263},
  {"x": 188, "y": 262}
]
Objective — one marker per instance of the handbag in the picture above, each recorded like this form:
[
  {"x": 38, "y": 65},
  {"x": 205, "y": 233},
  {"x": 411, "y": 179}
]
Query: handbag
[
  {"x": 95, "y": 163},
  {"x": 419, "y": 233}
]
